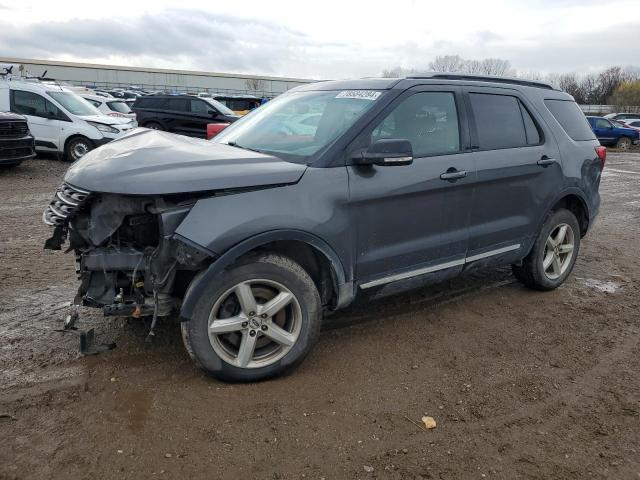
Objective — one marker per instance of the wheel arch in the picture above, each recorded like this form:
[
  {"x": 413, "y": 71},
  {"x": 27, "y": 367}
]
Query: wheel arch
[
  {"x": 317, "y": 257},
  {"x": 574, "y": 200}
]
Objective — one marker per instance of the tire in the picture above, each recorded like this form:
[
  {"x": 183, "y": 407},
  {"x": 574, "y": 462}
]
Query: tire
[
  {"x": 562, "y": 255},
  {"x": 296, "y": 324},
  {"x": 76, "y": 148},
  {"x": 623, "y": 143},
  {"x": 154, "y": 126}
]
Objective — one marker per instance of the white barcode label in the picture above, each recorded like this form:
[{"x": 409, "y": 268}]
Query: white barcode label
[{"x": 362, "y": 94}]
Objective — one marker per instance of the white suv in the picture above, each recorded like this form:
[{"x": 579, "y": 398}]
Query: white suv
[{"x": 59, "y": 120}]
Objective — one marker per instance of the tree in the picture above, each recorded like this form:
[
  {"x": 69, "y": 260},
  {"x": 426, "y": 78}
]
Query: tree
[
  {"x": 255, "y": 84},
  {"x": 627, "y": 94},
  {"x": 399, "y": 72},
  {"x": 447, "y": 63}
]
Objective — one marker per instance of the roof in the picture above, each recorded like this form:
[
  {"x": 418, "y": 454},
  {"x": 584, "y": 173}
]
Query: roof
[{"x": 388, "y": 83}]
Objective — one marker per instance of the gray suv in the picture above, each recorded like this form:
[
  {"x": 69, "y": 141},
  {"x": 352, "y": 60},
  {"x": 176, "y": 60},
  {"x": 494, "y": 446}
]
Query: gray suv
[{"x": 331, "y": 191}]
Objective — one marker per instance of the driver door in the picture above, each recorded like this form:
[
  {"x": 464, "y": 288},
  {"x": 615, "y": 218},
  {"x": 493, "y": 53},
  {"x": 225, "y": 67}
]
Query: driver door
[{"x": 411, "y": 222}]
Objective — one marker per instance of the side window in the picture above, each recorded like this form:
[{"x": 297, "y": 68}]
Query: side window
[
  {"x": 28, "y": 103},
  {"x": 602, "y": 123},
  {"x": 501, "y": 122},
  {"x": 178, "y": 105},
  {"x": 429, "y": 120},
  {"x": 200, "y": 107}
]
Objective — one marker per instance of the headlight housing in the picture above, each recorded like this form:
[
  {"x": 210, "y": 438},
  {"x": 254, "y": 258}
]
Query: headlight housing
[{"x": 104, "y": 128}]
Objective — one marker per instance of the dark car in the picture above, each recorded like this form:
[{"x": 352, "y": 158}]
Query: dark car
[
  {"x": 183, "y": 114},
  {"x": 16, "y": 143},
  {"x": 613, "y": 135},
  {"x": 250, "y": 237}
]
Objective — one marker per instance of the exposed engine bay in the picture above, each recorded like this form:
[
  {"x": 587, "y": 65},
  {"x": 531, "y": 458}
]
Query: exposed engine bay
[{"x": 128, "y": 259}]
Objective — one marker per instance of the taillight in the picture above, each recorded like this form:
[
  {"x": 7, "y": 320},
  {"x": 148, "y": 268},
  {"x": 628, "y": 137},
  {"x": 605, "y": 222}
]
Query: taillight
[{"x": 602, "y": 154}]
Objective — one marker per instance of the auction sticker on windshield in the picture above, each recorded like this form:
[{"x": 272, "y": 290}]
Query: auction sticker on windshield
[{"x": 363, "y": 94}]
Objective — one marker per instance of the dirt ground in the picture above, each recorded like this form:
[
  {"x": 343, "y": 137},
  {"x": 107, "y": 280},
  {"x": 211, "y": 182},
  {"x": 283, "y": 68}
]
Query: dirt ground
[{"x": 521, "y": 384}]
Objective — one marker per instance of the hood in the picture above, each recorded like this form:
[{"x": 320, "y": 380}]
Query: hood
[
  {"x": 105, "y": 119},
  {"x": 151, "y": 162}
]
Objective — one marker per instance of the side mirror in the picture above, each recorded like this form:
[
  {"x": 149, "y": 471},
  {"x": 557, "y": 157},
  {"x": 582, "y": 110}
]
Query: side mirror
[
  {"x": 213, "y": 113},
  {"x": 386, "y": 153}
]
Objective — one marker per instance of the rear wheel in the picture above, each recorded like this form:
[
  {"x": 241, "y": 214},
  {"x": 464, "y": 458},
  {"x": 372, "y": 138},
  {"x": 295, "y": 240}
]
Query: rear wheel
[
  {"x": 623, "y": 143},
  {"x": 154, "y": 126},
  {"x": 554, "y": 253},
  {"x": 256, "y": 320},
  {"x": 77, "y": 148}
]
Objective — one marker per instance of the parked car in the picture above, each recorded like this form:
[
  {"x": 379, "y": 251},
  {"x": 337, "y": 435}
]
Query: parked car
[
  {"x": 253, "y": 235},
  {"x": 16, "y": 143},
  {"x": 59, "y": 120},
  {"x": 240, "y": 104},
  {"x": 632, "y": 123},
  {"x": 612, "y": 135},
  {"x": 183, "y": 114},
  {"x": 111, "y": 106},
  {"x": 621, "y": 116}
]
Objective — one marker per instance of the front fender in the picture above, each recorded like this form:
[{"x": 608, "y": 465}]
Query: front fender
[{"x": 342, "y": 287}]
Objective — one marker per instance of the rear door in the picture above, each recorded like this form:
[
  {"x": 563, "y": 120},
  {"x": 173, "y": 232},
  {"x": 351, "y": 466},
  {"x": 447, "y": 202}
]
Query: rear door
[
  {"x": 518, "y": 172},
  {"x": 410, "y": 221},
  {"x": 46, "y": 121}
]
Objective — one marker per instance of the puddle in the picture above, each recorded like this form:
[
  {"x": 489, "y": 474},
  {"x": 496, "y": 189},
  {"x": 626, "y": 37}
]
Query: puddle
[{"x": 602, "y": 286}]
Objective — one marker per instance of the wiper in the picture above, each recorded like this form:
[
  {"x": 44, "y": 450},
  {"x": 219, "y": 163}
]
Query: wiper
[{"x": 234, "y": 144}]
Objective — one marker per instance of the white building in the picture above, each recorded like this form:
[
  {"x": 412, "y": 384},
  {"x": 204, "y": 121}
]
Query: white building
[{"x": 112, "y": 76}]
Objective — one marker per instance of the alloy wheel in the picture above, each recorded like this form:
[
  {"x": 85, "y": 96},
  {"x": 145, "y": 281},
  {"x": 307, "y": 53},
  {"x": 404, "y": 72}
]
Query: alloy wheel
[
  {"x": 255, "y": 323},
  {"x": 558, "y": 251}
]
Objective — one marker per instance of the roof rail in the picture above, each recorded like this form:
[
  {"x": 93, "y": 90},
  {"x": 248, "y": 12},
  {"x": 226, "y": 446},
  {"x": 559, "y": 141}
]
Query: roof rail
[{"x": 484, "y": 78}]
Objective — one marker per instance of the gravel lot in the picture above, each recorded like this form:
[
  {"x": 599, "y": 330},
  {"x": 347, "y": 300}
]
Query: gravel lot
[{"x": 521, "y": 384}]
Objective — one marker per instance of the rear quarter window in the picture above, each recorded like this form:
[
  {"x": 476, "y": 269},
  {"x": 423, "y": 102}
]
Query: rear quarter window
[{"x": 571, "y": 118}]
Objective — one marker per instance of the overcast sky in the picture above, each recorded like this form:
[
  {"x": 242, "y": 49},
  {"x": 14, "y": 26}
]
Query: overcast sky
[{"x": 324, "y": 39}]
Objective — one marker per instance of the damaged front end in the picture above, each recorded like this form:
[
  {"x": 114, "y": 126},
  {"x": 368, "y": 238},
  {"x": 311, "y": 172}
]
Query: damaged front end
[{"x": 128, "y": 259}]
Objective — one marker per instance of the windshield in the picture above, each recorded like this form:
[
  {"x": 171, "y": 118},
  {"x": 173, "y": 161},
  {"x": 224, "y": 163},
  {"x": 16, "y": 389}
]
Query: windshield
[
  {"x": 74, "y": 104},
  {"x": 119, "y": 107},
  {"x": 219, "y": 106},
  {"x": 299, "y": 124}
]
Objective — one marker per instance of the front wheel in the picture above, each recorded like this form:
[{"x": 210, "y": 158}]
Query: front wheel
[
  {"x": 154, "y": 126},
  {"x": 256, "y": 320},
  {"x": 77, "y": 148},
  {"x": 623, "y": 143},
  {"x": 553, "y": 254}
]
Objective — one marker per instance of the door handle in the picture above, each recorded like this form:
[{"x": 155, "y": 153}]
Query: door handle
[
  {"x": 452, "y": 174},
  {"x": 546, "y": 161}
]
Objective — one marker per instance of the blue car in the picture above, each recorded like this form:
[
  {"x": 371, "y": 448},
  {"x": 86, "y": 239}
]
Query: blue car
[{"x": 611, "y": 135}]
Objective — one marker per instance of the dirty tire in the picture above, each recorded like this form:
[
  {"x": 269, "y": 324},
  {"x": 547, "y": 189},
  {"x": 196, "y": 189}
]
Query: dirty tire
[
  {"x": 531, "y": 273},
  {"x": 76, "y": 148},
  {"x": 266, "y": 266},
  {"x": 623, "y": 143},
  {"x": 154, "y": 126}
]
